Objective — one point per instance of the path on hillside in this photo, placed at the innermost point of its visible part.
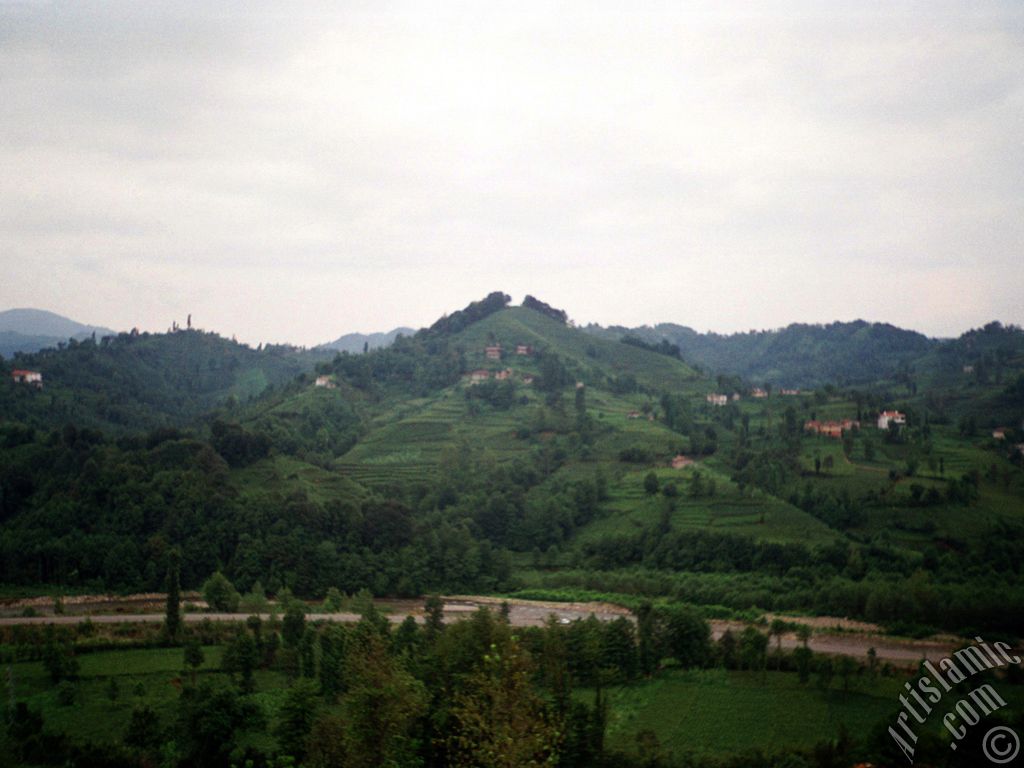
(853, 639)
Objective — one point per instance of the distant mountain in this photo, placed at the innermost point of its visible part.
(29, 330)
(356, 342)
(798, 355)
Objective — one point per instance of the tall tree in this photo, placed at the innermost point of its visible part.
(172, 620)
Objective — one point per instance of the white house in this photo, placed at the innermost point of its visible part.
(716, 399)
(885, 418)
(27, 377)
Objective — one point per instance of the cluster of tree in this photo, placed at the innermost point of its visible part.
(546, 309)
(474, 312)
(663, 347)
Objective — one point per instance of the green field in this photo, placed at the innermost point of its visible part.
(716, 713)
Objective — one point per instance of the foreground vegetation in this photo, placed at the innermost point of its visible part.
(656, 692)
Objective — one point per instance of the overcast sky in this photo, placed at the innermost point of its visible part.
(291, 175)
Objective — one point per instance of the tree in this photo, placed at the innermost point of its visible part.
(172, 620)
(334, 601)
(499, 722)
(434, 624)
(220, 594)
(241, 658)
(777, 629)
(208, 718)
(194, 657)
(687, 637)
(294, 624)
(650, 483)
(143, 732)
(297, 715)
(753, 649)
(380, 708)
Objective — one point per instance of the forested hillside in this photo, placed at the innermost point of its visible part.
(799, 355)
(134, 382)
(503, 449)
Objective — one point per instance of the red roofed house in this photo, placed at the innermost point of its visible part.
(28, 377)
(524, 349)
(493, 352)
(885, 418)
(502, 375)
(759, 393)
(480, 375)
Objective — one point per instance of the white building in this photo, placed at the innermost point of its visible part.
(885, 418)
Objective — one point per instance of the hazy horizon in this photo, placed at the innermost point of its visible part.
(291, 176)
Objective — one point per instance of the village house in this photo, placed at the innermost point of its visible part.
(790, 392)
(716, 399)
(479, 375)
(758, 393)
(325, 381)
(527, 378)
(735, 396)
(968, 369)
(493, 352)
(680, 461)
(633, 415)
(833, 429)
(502, 375)
(524, 349)
(999, 433)
(885, 418)
(27, 377)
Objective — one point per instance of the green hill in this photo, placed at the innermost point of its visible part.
(591, 465)
(138, 382)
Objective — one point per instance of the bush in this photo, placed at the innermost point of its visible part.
(66, 693)
(220, 594)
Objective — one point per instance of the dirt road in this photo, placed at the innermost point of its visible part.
(854, 638)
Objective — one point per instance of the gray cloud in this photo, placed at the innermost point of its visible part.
(290, 175)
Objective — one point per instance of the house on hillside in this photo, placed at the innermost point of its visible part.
(493, 352)
(479, 375)
(680, 461)
(502, 375)
(758, 393)
(790, 392)
(999, 433)
(527, 378)
(735, 396)
(834, 429)
(524, 349)
(327, 382)
(34, 378)
(968, 369)
(633, 415)
(717, 399)
(885, 418)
